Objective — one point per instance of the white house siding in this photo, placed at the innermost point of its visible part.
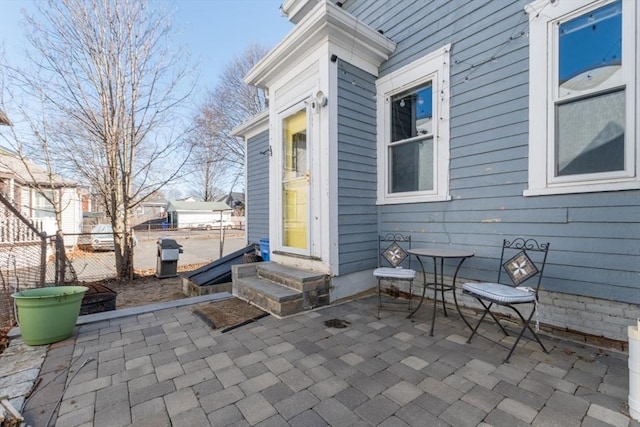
(71, 215)
(195, 219)
(71, 205)
(357, 217)
(257, 193)
(186, 214)
(594, 237)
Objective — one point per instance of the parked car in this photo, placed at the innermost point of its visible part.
(102, 238)
(215, 225)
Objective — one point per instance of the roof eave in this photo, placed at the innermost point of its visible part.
(254, 125)
(296, 10)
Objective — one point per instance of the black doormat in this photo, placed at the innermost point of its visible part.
(228, 314)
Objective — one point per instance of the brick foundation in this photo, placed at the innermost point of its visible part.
(588, 320)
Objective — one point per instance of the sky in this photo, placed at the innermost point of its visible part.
(213, 30)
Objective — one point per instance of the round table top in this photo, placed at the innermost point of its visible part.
(441, 253)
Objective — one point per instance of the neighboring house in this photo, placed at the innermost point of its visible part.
(24, 184)
(461, 123)
(233, 199)
(194, 214)
(151, 208)
(90, 200)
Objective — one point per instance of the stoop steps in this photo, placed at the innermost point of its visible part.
(278, 289)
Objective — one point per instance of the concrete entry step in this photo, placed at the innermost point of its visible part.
(271, 297)
(291, 277)
(279, 289)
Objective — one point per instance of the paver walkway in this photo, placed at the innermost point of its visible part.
(168, 368)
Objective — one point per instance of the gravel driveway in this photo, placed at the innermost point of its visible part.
(198, 246)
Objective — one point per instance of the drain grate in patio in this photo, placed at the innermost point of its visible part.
(228, 314)
(337, 323)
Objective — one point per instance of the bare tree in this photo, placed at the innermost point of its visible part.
(216, 151)
(112, 88)
(206, 170)
(55, 192)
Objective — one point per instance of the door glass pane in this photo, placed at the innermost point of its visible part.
(412, 166)
(295, 203)
(590, 135)
(590, 49)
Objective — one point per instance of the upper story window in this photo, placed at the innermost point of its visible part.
(583, 99)
(413, 146)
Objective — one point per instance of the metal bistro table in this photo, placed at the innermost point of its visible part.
(438, 277)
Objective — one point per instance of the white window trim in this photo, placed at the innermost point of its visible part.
(543, 15)
(433, 67)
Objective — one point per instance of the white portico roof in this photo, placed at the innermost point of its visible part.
(349, 39)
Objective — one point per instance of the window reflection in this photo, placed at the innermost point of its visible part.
(590, 129)
(411, 152)
(412, 113)
(590, 48)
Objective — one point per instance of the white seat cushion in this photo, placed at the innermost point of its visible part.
(499, 293)
(395, 273)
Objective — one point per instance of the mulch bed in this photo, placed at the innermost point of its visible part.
(228, 314)
(4, 340)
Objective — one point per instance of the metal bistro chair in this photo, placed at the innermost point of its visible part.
(392, 252)
(516, 263)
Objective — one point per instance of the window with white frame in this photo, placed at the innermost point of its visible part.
(42, 206)
(413, 131)
(583, 96)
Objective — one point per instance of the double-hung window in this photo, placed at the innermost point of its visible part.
(583, 96)
(413, 131)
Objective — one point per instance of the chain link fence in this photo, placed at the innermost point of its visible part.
(31, 259)
(91, 259)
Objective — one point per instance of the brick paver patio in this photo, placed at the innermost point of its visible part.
(167, 367)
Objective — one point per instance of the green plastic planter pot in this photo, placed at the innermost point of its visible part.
(48, 315)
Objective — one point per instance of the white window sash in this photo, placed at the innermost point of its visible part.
(433, 67)
(543, 50)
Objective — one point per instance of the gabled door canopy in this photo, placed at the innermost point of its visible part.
(349, 39)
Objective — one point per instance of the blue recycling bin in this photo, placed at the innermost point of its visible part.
(264, 249)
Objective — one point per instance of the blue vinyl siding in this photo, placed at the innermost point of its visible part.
(595, 237)
(257, 207)
(357, 218)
